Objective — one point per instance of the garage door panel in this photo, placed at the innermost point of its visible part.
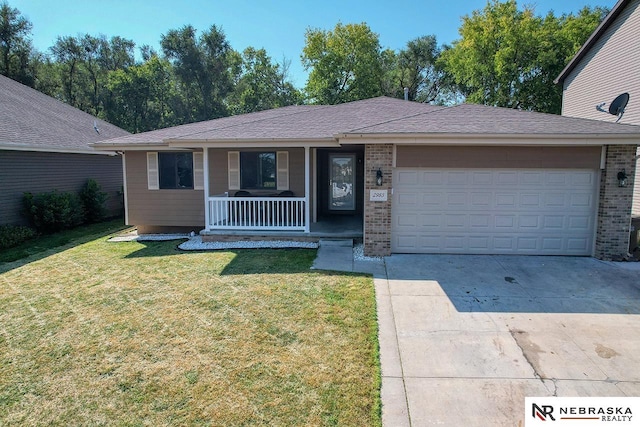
(494, 211)
(407, 178)
(426, 178)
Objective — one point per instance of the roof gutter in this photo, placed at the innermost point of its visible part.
(253, 142)
(45, 149)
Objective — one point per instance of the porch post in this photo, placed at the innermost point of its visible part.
(307, 188)
(205, 172)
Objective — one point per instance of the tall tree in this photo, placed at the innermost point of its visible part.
(203, 67)
(68, 53)
(416, 68)
(15, 46)
(507, 56)
(261, 84)
(346, 64)
(140, 96)
(84, 63)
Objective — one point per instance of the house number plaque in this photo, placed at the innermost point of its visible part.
(378, 195)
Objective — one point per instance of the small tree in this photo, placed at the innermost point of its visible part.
(93, 199)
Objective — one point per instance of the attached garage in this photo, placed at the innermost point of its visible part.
(467, 200)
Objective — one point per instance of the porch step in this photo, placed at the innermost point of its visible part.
(336, 255)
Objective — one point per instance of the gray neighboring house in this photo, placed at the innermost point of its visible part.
(44, 146)
(607, 65)
(417, 178)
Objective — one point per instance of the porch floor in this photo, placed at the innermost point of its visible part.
(333, 227)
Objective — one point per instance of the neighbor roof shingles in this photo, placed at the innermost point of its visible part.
(31, 119)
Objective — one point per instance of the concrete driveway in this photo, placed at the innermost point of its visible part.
(464, 339)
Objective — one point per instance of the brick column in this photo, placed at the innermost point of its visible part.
(615, 202)
(377, 215)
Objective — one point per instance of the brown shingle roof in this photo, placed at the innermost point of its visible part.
(376, 116)
(471, 119)
(32, 120)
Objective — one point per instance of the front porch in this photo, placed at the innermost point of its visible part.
(304, 193)
(334, 227)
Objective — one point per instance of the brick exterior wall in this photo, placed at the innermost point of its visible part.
(377, 215)
(614, 207)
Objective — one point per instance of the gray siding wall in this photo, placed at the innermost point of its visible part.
(611, 67)
(37, 172)
(159, 208)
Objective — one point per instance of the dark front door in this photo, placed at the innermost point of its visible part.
(340, 181)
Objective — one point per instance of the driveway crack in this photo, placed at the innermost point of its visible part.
(530, 352)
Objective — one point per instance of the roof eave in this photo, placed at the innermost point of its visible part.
(51, 149)
(253, 142)
(606, 22)
(119, 146)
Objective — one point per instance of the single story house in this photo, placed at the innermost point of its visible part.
(466, 179)
(606, 66)
(44, 146)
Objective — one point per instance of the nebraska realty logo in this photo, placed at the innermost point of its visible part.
(582, 411)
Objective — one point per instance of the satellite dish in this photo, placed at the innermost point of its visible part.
(617, 106)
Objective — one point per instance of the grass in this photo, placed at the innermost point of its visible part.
(55, 240)
(139, 334)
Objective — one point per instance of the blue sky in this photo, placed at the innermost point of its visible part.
(276, 25)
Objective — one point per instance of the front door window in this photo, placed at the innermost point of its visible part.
(342, 182)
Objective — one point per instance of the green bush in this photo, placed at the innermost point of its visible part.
(54, 211)
(13, 235)
(93, 199)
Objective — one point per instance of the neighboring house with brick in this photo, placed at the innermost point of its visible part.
(416, 178)
(607, 65)
(44, 146)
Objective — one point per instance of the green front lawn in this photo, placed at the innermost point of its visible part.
(143, 334)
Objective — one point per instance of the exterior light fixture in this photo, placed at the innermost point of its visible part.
(379, 177)
(622, 178)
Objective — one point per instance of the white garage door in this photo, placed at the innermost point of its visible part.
(494, 211)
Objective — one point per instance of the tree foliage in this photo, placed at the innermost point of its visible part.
(203, 68)
(508, 57)
(345, 63)
(15, 46)
(261, 84)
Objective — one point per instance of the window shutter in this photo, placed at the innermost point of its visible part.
(234, 169)
(283, 170)
(198, 171)
(153, 178)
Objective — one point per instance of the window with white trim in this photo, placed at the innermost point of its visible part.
(258, 170)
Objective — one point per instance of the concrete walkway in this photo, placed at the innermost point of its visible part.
(464, 339)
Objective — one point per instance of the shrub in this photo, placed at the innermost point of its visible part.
(54, 211)
(13, 235)
(93, 199)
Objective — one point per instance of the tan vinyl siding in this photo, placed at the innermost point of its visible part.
(610, 67)
(219, 177)
(498, 157)
(38, 172)
(165, 208)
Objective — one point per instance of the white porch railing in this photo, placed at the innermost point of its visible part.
(256, 213)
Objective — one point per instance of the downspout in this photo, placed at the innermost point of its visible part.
(307, 189)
